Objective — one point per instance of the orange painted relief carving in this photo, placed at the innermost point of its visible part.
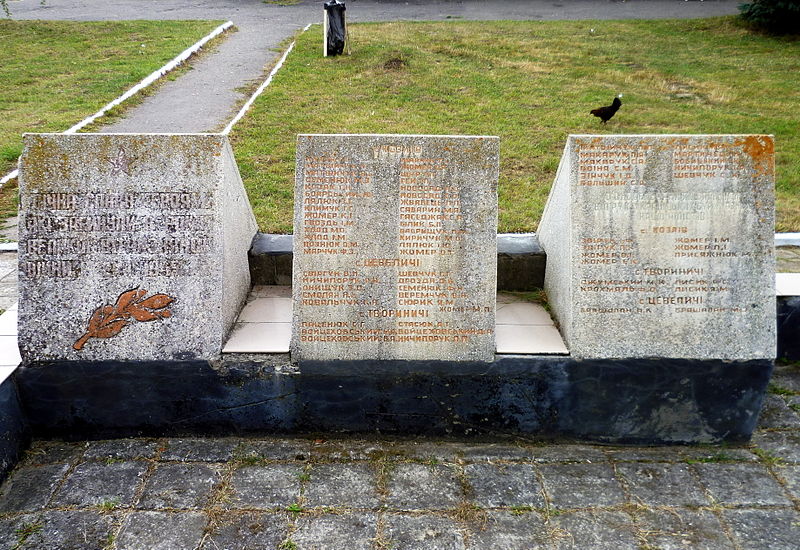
(108, 320)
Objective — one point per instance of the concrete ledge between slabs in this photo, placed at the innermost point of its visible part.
(520, 261)
(643, 401)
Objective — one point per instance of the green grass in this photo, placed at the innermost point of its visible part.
(532, 84)
(54, 74)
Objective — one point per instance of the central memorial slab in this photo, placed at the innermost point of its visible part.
(395, 253)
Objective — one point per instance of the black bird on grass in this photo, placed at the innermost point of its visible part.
(605, 113)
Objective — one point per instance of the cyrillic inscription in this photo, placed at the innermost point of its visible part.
(381, 234)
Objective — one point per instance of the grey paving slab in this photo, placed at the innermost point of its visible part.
(581, 485)
(342, 485)
(741, 484)
(510, 531)
(791, 479)
(787, 376)
(423, 487)
(52, 452)
(249, 531)
(29, 489)
(595, 530)
(776, 414)
(504, 485)
(67, 530)
(764, 529)
(352, 531)
(662, 485)
(200, 449)
(494, 452)
(333, 449)
(683, 529)
(14, 529)
(179, 486)
(784, 445)
(97, 483)
(644, 454)
(278, 449)
(122, 449)
(265, 487)
(718, 454)
(426, 451)
(568, 453)
(161, 531)
(423, 533)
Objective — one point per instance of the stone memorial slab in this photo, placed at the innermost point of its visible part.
(132, 247)
(662, 246)
(395, 248)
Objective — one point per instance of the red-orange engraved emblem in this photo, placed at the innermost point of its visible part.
(108, 321)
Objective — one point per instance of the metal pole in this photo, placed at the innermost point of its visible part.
(324, 33)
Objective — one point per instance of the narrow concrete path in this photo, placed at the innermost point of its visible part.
(206, 98)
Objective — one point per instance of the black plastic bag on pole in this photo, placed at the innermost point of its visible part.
(336, 28)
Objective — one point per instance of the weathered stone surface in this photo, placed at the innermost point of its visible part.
(662, 484)
(681, 529)
(768, 529)
(581, 485)
(246, 532)
(741, 484)
(200, 449)
(179, 486)
(56, 529)
(131, 246)
(421, 486)
(354, 531)
(423, 533)
(161, 531)
(598, 531)
(29, 489)
(395, 249)
(662, 246)
(265, 487)
(96, 484)
(495, 486)
(342, 485)
(121, 449)
(520, 531)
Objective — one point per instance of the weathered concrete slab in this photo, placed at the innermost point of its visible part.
(395, 247)
(662, 246)
(131, 246)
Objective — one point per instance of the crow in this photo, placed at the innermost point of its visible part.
(605, 113)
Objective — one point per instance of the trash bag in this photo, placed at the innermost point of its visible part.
(337, 30)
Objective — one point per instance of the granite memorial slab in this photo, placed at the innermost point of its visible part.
(132, 246)
(662, 246)
(395, 248)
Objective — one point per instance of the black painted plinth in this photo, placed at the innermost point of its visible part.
(13, 430)
(789, 328)
(628, 401)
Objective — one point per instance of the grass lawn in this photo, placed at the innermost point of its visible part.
(54, 74)
(532, 84)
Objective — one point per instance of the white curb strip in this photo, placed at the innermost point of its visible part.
(155, 75)
(261, 88)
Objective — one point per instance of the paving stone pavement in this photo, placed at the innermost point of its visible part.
(318, 492)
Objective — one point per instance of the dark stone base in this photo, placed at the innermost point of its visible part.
(650, 401)
(789, 328)
(13, 431)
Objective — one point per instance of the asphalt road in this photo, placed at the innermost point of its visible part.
(206, 98)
